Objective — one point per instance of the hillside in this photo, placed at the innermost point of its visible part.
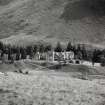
(52, 20)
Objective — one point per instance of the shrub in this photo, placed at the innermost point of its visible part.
(44, 64)
(20, 71)
(77, 62)
(103, 63)
(56, 67)
(71, 61)
(26, 72)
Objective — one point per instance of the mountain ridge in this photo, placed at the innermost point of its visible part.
(53, 20)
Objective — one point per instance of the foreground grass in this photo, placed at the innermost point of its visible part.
(49, 88)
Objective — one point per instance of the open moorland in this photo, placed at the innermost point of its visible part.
(44, 86)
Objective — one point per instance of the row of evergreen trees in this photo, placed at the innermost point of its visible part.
(80, 51)
(22, 52)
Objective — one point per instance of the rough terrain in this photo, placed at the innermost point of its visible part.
(51, 87)
(27, 21)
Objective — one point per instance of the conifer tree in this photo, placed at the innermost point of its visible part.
(94, 56)
(31, 52)
(28, 48)
(84, 52)
(1, 45)
(48, 48)
(35, 49)
(58, 47)
(23, 53)
(41, 48)
(69, 47)
(78, 47)
(18, 54)
(9, 54)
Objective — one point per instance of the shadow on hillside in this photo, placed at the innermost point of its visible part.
(5, 2)
(83, 8)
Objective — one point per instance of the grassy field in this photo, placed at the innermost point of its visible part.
(43, 86)
(50, 88)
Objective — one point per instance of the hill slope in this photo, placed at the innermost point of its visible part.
(53, 20)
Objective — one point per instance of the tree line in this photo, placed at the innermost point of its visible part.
(80, 51)
(22, 52)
